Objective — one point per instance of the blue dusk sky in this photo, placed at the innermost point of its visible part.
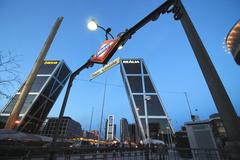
(25, 25)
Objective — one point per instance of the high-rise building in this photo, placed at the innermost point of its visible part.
(48, 84)
(134, 134)
(111, 128)
(68, 128)
(124, 134)
(147, 108)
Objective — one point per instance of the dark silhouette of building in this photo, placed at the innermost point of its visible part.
(124, 133)
(182, 143)
(46, 87)
(68, 128)
(147, 108)
(218, 130)
(134, 134)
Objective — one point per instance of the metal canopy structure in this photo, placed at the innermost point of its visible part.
(233, 42)
(218, 92)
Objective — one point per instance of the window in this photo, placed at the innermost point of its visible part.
(63, 73)
(143, 121)
(139, 104)
(132, 68)
(158, 124)
(38, 83)
(154, 107)
(135, 83)
(148, 85)
(28, 102)
(144, 69)
(11, 104)
(47, 68)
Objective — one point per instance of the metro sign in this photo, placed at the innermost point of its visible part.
(104, 53)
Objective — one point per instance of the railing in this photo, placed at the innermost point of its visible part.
(92, 153)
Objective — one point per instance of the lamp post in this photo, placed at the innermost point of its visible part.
(89, 63)
(93, 25)
(103, 104)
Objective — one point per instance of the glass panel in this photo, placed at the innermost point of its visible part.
(139, 104)
(48, 87)
(143, 121)
(38, 83)
(135, 83)
(11, 104)
(63, 73)
(47, 68)
(148, 85)
(28, 102)
(56, 93)
(154, 129)
(37, 104)
(132, 68)
(154, 107)
(144, 69)
(163, 124)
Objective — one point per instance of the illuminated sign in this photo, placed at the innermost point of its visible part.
(51, 62)
(105, 51)
(131, 61)
(105, 68)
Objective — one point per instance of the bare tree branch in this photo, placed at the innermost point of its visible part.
(9, 72)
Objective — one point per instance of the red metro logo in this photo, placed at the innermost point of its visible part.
(104, 52)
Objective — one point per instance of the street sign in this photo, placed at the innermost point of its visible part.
(105, 51)
(105, 68)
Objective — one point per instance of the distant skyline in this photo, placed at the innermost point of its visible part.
(162, 44)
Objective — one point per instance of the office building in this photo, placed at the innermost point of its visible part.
(48, 84)
(134, 134)
(124, 133)
(68, 128)
(111, 128)
(147, 108)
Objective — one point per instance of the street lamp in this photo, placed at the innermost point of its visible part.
(93, 26)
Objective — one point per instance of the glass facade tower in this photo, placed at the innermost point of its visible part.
(145, 102)
(49, 82)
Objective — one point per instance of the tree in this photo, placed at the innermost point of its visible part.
(9, 72)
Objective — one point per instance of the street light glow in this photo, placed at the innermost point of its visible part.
(92, 25)
(120, 47)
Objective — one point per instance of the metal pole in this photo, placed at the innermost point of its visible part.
(90, 125)
(70, 82)
(185, 93)
(28, 84)
(73, 75)
(218, 92)
(103, 104)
